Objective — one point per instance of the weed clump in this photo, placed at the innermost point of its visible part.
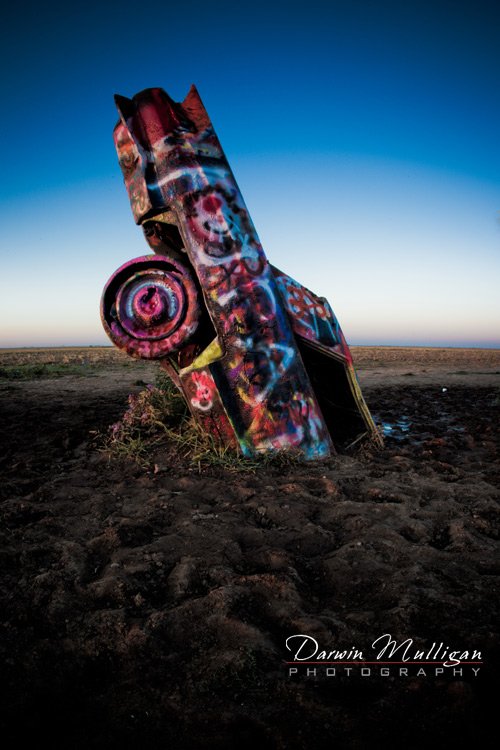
(158, 417)
(150, 415)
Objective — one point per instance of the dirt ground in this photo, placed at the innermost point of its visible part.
(149, 608)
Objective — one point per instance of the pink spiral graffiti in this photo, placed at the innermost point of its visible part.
(149, 307)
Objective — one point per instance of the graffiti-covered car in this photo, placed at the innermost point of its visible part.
(261, 360)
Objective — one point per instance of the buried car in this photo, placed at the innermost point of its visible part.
(261, 361)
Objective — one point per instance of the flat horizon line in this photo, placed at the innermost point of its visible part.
(495, 347)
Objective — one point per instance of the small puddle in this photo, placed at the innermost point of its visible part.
(405, 429)
(398, 430)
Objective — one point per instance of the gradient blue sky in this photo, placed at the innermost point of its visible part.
(364, 137)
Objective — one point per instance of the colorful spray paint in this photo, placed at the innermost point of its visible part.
(261, 361)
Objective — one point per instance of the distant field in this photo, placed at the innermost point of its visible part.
(363, 355)
(420, 355)
(95, 355)
(374, 364)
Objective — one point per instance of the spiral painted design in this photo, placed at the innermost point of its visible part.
(149, 307)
